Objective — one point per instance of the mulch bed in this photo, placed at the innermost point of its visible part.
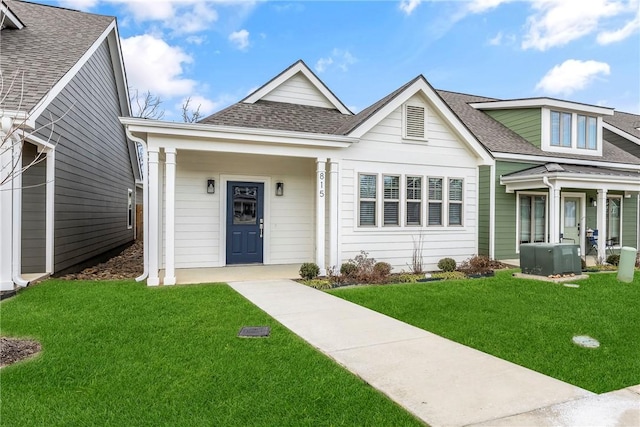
(127, 265)
(13, 350)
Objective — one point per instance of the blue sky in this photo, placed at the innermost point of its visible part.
(217, 52)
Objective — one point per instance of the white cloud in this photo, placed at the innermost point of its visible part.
(558, 22)
(207, 106)
(339, 58)
(240, 39)
(572, 75)
(631, 27)
(78, 4)
(408, 6)
(153, 65)
(497, 40)
(480, 6)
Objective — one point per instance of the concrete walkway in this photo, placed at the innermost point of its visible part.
(438, 380)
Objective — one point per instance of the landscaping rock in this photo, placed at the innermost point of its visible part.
(127, 265)
(13, 350)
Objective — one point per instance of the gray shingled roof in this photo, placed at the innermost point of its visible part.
(626, 122)
(497, 138)
(552, 168)
(51, 42)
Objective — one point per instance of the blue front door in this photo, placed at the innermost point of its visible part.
(245, 222)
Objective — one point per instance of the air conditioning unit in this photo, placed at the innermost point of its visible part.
(547, 259)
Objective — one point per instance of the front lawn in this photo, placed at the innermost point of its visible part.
(122, 354)
(528, 322)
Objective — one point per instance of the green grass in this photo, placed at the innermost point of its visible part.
(119, 353)
(528, 322)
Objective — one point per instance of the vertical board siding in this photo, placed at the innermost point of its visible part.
(290, 218)
(505, 212)
(93, 166)
(298, 90)
(525, 122)
(484, 204)
(33, 212)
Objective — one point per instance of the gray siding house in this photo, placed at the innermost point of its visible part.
(69, 172)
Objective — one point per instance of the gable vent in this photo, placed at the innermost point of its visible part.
(415, 121)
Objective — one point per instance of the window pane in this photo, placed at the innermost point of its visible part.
(592, 133)
(244, 205)
(391, 216)
(367, 213)
(413, 213)
(414, 188)
(525, 219)
(435, 213)
(613, 220)
(455, 214)
(566, 130)
(570, 211)
(582, 131)
(435, 188)
(539, 219)
(367, 186)
(555, 128)
(455, 190)
(391, 187)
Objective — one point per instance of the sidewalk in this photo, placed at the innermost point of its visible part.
(441, 382)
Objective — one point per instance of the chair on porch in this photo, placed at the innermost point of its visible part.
(592, 242)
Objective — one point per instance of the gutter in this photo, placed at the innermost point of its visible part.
(145, 205)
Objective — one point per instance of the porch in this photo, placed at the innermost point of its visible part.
(235, 273)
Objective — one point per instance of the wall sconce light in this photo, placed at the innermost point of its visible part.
(593, 202)
(211, 186)
(279, 188)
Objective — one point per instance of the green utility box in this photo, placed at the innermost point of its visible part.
(548, 259)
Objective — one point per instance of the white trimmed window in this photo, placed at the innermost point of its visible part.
(587, 132)
(129, 208)
(367, 200)
(614, 220)
(434, 214)
(532, 218)
(456, 196)
(571, 132)
(560, 129)
(391, 204)
(414, 200)
(415, 119)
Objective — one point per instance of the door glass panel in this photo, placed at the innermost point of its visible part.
(570, 213)
(245, 201)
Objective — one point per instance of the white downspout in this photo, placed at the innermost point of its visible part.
(145, 205)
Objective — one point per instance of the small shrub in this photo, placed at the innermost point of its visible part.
(447, 264)
(348, 269)
(407, 278)
(382, 269)
(309, 270)
(478, 264)
(613, 259)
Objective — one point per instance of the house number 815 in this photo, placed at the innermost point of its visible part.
(321, 184)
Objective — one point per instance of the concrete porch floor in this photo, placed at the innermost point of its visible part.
(236, 273)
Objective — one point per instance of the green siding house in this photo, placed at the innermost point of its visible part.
(562, 172)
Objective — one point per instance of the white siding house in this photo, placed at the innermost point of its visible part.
(290, 175)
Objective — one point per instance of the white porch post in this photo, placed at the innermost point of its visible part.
(554, 214)
(49, 211)
(153, 279)
(6, 223)
(602, 222)
(334, 260)
(170, 202)
(321, 175)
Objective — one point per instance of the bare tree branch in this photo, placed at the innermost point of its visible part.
(190, 116)
(147, 106)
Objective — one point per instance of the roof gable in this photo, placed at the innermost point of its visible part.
(43, 56)
(9, 19)
(298, 85)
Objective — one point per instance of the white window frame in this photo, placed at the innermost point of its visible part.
(374, 200)
(396, 201)
(405, 121)
(620, 219)
(546, 215)
(573, 149)
(419, 201)
(442, 201)
(455, 202)
(130, 211)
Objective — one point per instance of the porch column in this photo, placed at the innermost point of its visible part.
(6, 213)
(170, 216)
(153, 279)
(321, 175)
(49, 211)
(554, 214)
(601, 221)
(334, 260)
